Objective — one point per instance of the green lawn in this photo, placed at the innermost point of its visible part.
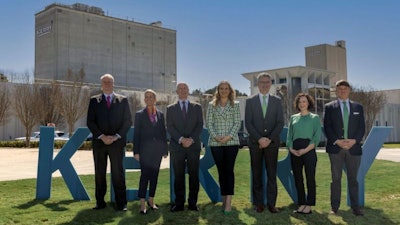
(382, 199)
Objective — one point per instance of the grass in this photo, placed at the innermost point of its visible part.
(382, 201)
(391, 145)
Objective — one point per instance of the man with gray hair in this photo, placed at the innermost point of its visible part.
(109, 119)
(264, 122)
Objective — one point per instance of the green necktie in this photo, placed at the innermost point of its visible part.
(264, 105)
(345, 119)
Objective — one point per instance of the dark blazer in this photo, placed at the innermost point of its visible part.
(270, 126)
(179, 127)
(116, 120)
(148, 137)
(333, 126)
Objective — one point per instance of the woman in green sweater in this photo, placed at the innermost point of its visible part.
(303, 137)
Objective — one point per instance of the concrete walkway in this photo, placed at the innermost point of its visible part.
(17, 163)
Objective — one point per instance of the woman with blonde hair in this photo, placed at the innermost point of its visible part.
(223, 123)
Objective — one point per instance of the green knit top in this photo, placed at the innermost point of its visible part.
(304, 126)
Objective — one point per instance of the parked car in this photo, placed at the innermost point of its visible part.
(58, 135)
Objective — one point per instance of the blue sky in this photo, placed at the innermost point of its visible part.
(221, 39)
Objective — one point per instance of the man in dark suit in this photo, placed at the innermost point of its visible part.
(185, 124)
(109, 119)
(344, 126)
(264, 123)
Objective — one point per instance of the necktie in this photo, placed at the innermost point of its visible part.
(108, 101)
(264, 105)
(345, 119)
(184, 109)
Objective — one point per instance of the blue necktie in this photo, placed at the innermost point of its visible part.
(184, 109)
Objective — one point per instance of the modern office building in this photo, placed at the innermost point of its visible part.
(325, 64)
(330, 58)
(288, 82)
(79, 36)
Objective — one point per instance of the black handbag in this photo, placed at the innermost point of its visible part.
(300, 143)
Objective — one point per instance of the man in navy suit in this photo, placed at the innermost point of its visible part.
(344, 126)
(109, 119)
(264, 122)
(185, 124)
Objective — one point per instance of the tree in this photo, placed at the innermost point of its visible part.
(4, 102)
(47, 97)
(74, 99)
(372, 102)
(25, 107)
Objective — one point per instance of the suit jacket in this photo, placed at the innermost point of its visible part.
(109, 121)
(334, 130)
(149, 138)
(257, 126)
(179, 127)
(221, 123)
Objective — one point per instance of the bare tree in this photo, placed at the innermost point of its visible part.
(4, 102)
(24, 107)
(134, 104)
(74, 99)
(47, 96)
(372, 102)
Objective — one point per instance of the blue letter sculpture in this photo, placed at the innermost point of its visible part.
(47, 165)
(371, 147)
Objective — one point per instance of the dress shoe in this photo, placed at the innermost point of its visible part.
(152, 207)
(176, 208)
(259, 208)
(273, 209)
(226, 212)
(122, 208)
(97, 207)
(357, 212)
(193, 208)
(333, 211)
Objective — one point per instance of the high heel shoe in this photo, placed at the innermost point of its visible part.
(143, 212)
(152, 207)
(306, 212)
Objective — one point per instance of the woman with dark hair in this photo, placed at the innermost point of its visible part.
(223, 123)
(303, 137)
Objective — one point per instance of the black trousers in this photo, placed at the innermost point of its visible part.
(307, 161)
(116, 155)
(149, 168)
(180, 159)
(224, 158)
(268, 155)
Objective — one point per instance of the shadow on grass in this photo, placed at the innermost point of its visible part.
(54, 206)
(376, 215)
(90, 216)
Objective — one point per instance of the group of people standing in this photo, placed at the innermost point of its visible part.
(109, 119)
